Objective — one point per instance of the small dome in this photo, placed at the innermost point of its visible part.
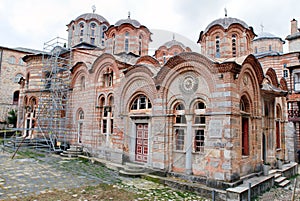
(134, 23)
(174, 42)
(226, 22)
(266, 35)
(89, 16)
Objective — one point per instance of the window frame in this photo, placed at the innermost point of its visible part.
(137, 103)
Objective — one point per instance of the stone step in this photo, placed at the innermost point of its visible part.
(130, 170)
(284, 183)
(134, 166)
(69, 155)
(279, 180)
(272, 171)
(277, 175)
(75, 148)
(130, 174)
(73, 152)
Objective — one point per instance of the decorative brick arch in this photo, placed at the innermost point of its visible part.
(183, 63)
(138, 82)
(102, 64)
(137, 69)
(77, 71)
(249, 73)
(256, 67)
(148, 60)
(272, 76)
(283, 84)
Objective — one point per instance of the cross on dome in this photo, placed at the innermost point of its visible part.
(94, 8)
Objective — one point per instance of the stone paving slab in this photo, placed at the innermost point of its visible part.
(21, 177)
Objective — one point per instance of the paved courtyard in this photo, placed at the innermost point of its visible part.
(23, 176)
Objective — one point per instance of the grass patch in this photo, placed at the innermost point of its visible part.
(26, 153)
(294, 177)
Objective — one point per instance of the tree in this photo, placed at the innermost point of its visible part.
(12, 117)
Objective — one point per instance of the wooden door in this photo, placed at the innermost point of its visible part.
(141, 151)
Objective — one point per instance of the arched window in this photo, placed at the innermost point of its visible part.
(81, 26)
(32, 104)
(30, 120)
(199, 126)
(141, 102)
(81, 30)
(16, 97)
(92, 33)
(233, 44)
(93, 27)
(106, 116)
(101, 103)
(218, 54)
(179, 126)
(111, 113)
(126, 42)
(80, 115)
(245, 109)
(103, 35)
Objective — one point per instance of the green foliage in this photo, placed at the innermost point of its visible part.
(12, 117)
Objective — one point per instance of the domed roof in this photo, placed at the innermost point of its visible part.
(174, 42)
(226, 22)
(89, 16)
(134, 23)
(266, 35)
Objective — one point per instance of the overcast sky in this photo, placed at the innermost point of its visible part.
(30, 23)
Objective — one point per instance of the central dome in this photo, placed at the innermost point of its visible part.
(134, 23)
(226, 22)
(89, 16)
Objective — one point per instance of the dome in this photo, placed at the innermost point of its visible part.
(226, 22)
(89, 16)
(174, 42)
(134, 23)
(266, 35)
(160, 36)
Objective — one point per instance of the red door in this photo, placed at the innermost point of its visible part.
(141, 152)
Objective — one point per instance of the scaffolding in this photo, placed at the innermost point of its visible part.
(53, 113)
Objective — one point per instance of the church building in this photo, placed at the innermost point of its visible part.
(218, 114)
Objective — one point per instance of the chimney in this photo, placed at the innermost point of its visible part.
(294, 26)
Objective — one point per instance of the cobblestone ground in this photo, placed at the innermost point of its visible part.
(289, 193)
(25, 176)
(21, 177)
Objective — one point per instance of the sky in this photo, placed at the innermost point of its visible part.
(31, 23)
